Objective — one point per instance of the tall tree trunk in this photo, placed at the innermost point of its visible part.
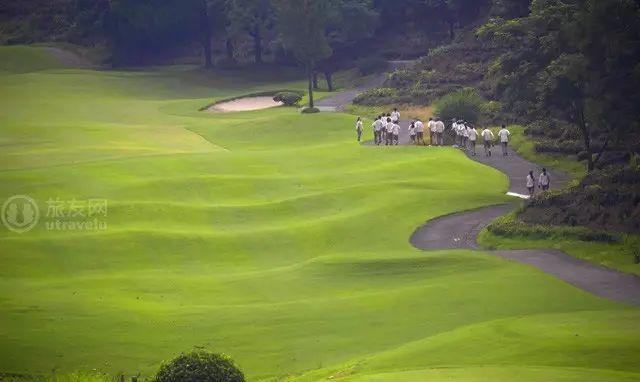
(257, 45)
(310, 74)
(586, 134)
(452, 32)
(329, 77)
(229, 48)
(205, 24)
(315, 80)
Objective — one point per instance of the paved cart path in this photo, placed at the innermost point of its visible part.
(460, 230)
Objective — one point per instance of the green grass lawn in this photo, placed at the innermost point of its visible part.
(270, 236)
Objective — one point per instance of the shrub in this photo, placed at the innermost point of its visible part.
(372, 65)
(288, 98)
(200, 366)
(310, 110)
(464, 104)
(401, 79)
(377, 96)
(510, 226)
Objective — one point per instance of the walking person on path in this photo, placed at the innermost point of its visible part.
(377, 130)
(432, 131)
(389, 132)
(464, 128)
(383, 132)
(487, 138)
(531, 184)
(504, 135)
(359, 128)
(396, 134)
(419, 132)
(439, 132)
(544, 181)
(472, 133)
(412, 132)
(395, 115)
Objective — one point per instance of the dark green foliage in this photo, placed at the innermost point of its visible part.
(199, 366)
(573, 61)
(510, 226)
(377, 96)
(604, 200)
(372, 65)
(288, 98)
(464, 104)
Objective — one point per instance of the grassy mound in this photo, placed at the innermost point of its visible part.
(270, 236)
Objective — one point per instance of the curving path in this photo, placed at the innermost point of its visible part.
(460, 230)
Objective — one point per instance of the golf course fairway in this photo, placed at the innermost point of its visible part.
(270, 236)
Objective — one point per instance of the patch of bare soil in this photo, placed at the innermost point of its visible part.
(244, 104)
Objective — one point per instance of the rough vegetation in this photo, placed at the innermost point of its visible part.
(199, 366)
(288, 98)
(606, 199)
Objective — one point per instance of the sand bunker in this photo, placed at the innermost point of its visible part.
(245, 104)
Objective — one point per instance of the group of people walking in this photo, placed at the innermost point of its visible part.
(544, 182)
(466, 137)
(386, 130)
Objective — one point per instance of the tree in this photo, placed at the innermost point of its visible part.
(254, 17)
(575, 60)
(350, 22)
(303, 24)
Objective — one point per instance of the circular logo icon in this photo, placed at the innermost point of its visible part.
(20, 213)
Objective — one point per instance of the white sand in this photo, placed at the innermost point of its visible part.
(245, 104)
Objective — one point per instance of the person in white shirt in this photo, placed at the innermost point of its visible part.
(487, 137)
(412, 132)
(377, 130)
(432, 131)
(396, 134)
(419, 132)
(439, 132)
(504, 135)
(472, 133)
(465, 135)
(531, 184)
(460, 132)
(455, 130)
(389, 132)
(383, 131)
(395, 116)
(544, 181)
(359, 128)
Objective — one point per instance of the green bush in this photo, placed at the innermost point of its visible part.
(377, 96)
(288, 98)
(310, 110)
(401, 79)
(509, 226)
(199, 366)
(464, 104)
(372, 65)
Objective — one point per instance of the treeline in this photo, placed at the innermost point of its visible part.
(571, 69)
(139, 31)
